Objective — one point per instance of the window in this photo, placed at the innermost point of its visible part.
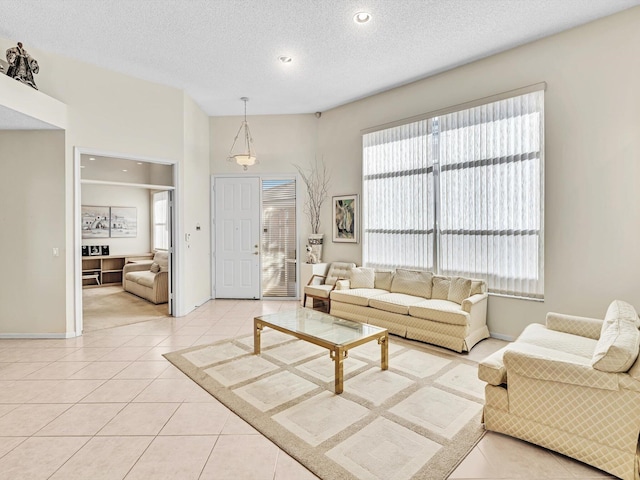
(460, 194)
(161, 220)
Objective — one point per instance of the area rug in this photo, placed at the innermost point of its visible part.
(416, 420)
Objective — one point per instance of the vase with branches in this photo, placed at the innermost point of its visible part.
(316, 180)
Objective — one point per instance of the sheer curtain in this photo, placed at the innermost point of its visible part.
(398, 209)
(461, 194)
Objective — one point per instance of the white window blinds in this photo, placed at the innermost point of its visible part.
(478, 209)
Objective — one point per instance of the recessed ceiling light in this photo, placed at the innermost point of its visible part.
(139, 163)
(81, 166)
(362, 17)
(91, 158)
(285, 59)
(124, 169)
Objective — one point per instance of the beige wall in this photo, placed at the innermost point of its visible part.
(195, 207)
(32, 293)
(108, 112)
(117, 196)
(592, 158)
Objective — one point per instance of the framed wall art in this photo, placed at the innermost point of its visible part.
(95, 221)
(124, 222)
(345, 218)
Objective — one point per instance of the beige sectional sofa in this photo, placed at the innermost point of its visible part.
(572, 386)
(446, 311)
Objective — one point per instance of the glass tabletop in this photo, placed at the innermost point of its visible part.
(320, 325)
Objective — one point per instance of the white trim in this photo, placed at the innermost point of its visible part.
(38, 335)
(77, 233)
(125, 184)
(500, 336)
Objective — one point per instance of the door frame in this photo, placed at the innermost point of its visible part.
(260, 176)
(174, 254)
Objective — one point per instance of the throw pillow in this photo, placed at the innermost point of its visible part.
(155, 268)
(476, 287)
(383, 279)
(440, 289)
(617, 348)
(362, 277)
(412, 282)
(459, 289)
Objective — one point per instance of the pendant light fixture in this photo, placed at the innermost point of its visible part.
(246, 157)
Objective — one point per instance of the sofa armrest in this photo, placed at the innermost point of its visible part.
(559, 367)
(136, 267)
(581, 326)
(473, 300)
(343, 284)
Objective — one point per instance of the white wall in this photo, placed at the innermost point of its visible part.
(32, 295)
(117, 196)
(592, 222)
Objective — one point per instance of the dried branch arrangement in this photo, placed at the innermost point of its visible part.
(317, 183)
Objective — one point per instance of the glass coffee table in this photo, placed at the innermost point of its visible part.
(336, 334)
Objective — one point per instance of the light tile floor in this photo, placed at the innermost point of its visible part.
(107, 405)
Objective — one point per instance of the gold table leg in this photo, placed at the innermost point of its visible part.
(338, 355)
(384, 351)
(257, 329)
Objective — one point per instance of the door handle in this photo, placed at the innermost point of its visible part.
(256, 253)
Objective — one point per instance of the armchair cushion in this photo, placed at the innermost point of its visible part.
(338, 271)
(155, 268)
(617, 348)
(321, 291)
(362, 277)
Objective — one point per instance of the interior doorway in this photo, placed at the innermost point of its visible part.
(124, 218)
(255, 237)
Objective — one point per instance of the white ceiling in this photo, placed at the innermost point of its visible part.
(221, 50)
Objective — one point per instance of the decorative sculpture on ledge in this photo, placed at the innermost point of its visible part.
(22, 66)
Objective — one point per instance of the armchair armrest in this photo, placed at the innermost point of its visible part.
(314, 280)
(136, 267)
(581, 326)
(557, 366)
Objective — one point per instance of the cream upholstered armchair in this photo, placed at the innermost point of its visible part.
(148, 279)
(573, 386)
(320, 286)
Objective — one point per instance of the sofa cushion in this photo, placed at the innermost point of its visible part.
(438, 310)
(412, 282)
(440, 288)
(459, 289)
(362, 277)
(617, 348)
(383, 279)
(321, 291)
(155, 268)
(144, 278)
(161, 257)
(357, 296)
(394, 302)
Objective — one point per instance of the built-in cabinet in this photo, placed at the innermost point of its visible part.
(107, 270)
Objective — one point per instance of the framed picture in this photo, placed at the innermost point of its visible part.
(345, 219)
(124, 222)
(95, 221)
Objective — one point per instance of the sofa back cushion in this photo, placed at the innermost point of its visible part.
(161, 257)
(383, 279)
(617, 348)
(477, 286)
(338, 271)
(362, 277)
(459, 289)
(412, 282)
(440, 290)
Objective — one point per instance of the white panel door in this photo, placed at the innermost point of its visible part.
(237, 237)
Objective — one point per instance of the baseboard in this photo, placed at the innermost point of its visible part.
(38, 335)
(500, 336)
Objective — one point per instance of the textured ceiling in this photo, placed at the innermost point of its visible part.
(221, 50)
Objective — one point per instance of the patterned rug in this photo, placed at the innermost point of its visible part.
(417, 420)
